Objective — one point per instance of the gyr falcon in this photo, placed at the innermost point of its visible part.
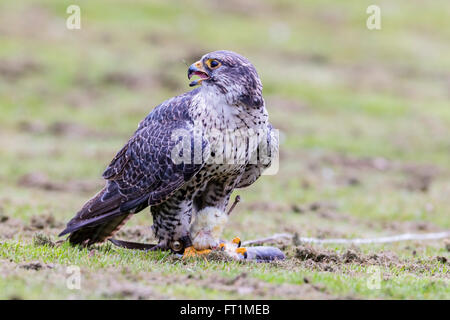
(186, 158)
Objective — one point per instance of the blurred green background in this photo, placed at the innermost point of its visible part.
(364, 114)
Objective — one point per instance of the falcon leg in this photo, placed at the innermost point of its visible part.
(171, 221)
(207, 228)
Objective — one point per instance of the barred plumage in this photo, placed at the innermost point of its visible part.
(144, 173)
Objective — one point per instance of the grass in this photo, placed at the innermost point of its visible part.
(364, 120)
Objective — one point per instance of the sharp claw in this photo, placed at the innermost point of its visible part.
(237, 241)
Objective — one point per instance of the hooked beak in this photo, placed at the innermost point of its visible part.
(196, 69)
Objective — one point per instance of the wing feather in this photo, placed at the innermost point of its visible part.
(142, 173)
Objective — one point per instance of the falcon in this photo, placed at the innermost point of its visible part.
(185, 159)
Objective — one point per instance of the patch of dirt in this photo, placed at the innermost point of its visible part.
(327, 210)
(418, 177)
(310, 253)
(321, 205)
(3, 216)
(12, 70)
(219, 256)
(243, 284)
(44, 221)
(34, 127)
(247, 8)
(298, 208)
(15, 228)
(135, 233)
(320, 255)
(129, 80)
(129, 290)
(418, 181)
(317, 258)
(41, 239)
(351, 256)
(442, 259)
(306, 59)
(167, 80)
(409, 226)
(290, 105)
(365, 163)
(266, 206)
(40, 180)
(81, 97)
(60, 129)
(70, 129)
(11, 227)
(35, 265)
(158, 39)
(21, 23)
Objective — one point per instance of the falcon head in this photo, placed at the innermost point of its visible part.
(231, 74)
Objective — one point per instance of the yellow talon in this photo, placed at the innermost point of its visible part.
(192, 252)
(242, 251)
(237, 241)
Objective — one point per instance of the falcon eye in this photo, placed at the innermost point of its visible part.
(213, 63)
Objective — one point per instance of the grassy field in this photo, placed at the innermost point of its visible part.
(365, 123)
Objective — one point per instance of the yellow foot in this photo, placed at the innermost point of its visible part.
(237, 241)
(192, 252)
(242, 251)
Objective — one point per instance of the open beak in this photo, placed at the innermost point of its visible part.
(196, 69)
